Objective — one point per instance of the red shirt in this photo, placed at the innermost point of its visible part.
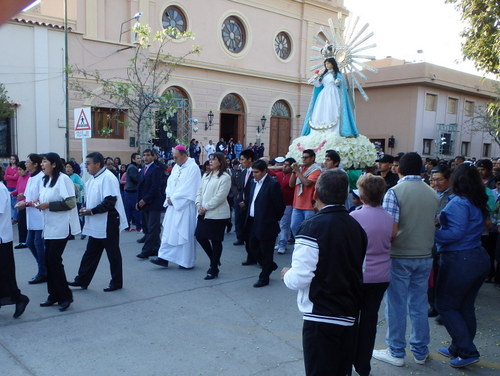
(284, 180)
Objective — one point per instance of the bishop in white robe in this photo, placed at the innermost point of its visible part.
(178, 243)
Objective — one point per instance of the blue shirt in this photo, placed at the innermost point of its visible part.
(462, 224)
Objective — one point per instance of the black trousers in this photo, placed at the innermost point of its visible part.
(9, 292)
(239, 218)
(328, 348)
(151, 225)
(489, 242)
(93, 254)
(367, 325)
(260, 250)
(213, 249)
(57, 284)
(22, 228)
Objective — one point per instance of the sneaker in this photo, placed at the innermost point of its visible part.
(445, 352)
(281, 251)
(276, 247)
(386, 356)
(460, 362)
(420, 361)
(127, 229)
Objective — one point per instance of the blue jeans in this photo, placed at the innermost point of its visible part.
(407, 292)
(37, 247)
(285, 221)
(133, 215)
(460, 277)
(298, 216)
(13, 201)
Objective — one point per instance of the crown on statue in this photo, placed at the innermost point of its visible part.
(328, 51)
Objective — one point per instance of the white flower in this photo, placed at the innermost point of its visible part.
(356, 152)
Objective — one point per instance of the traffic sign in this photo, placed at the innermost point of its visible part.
(83, 122)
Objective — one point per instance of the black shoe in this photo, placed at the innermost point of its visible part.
(142, 255)
(160, 262)
(210, 276)
(71, 237)
(432, 313)
(109, 289)
(38, 279)
(141, 240)
(77, 284)
(245, 263)
(239, 242)
(49, 302)
(63, 306)
(439, 321)
(184, 268)
(229, 227)
(260, 283)
(21, 306)
(83, 237)
(23, 245)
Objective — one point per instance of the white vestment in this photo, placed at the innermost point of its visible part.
(178, 243)
(102, 185)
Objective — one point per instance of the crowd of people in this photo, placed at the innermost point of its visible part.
(422, 233)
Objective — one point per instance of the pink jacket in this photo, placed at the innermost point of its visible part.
(11, 175)
(22, 181)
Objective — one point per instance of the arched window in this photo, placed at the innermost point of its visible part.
(281, 109)
(231, 102)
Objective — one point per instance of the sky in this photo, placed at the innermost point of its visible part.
(402, 27)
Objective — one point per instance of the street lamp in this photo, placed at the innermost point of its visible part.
(263, 122)
(210, 120)
(262, 125)
(136, 17)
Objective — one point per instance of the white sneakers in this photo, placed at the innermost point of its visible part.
(421, 361)
(386, 356)
(281, 251)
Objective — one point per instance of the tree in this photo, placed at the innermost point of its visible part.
(482, 33)
(487, 119)
(6, 109)
(138, 92)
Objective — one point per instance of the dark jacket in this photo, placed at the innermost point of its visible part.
(336, 288)
(132, 178)
(269, 208)
(149, 188)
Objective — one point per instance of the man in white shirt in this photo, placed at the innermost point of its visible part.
(209, 149)
(105, 219)
(265, 209)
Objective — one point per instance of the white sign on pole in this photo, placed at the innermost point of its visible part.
(83, 122)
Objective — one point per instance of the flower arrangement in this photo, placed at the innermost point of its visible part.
(355, 152)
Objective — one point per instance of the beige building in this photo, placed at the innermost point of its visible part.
(426, 108)
(254, 65)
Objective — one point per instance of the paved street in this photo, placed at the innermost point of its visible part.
(172, 322)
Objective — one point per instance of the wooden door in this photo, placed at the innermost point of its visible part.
(279, 136)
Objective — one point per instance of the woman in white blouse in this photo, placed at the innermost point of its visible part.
(34, 217)
(58, 203)
(213, 211)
